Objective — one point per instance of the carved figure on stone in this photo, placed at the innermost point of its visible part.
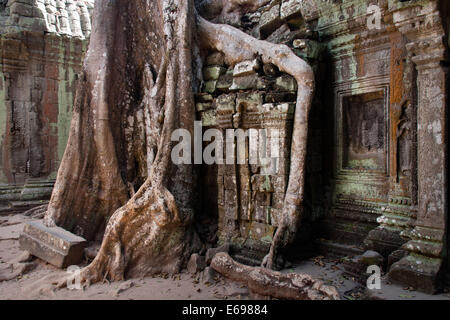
(404, 140)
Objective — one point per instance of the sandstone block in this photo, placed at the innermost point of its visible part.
(246, 68)
(203, 106)
(226, 102)
(270, 20)
(210, 86)
(213, 73)
(370, 258)
(290, 9)
(53, 245)
(209, 118)
(247, 82)
(251, 100)
(286, 83)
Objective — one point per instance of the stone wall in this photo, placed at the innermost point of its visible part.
(389, 91)
(247, 199)
(42, 44)
(250, 195)
(377, 155)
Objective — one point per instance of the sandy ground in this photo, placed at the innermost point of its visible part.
(37, 283)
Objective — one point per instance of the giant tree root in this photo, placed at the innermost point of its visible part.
(292, 286)
(145, 237)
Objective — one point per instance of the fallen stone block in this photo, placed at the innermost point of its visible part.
(53, 245)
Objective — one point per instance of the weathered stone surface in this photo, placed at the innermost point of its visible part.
(370, 258)
(290, 8)
(53, 245)
(281, 35)
(270, 20)
(251, 100)
(246, 68)
(247, 82)
(422, 274)
(286, 83)
(210, 86)
(213, 251)
(378, 126)
(204, 98)
(209, 118)
(213, 73)
(396, 256)
(203, 106)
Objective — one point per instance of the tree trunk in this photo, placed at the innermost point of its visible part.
(136, 89)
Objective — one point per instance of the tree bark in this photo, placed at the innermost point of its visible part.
(136, 89)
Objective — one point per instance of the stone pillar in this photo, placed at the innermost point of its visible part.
(423, 27)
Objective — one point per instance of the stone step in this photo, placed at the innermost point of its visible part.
(337, 250)
(53, 245)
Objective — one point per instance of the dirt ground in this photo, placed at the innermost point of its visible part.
(38, 276)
